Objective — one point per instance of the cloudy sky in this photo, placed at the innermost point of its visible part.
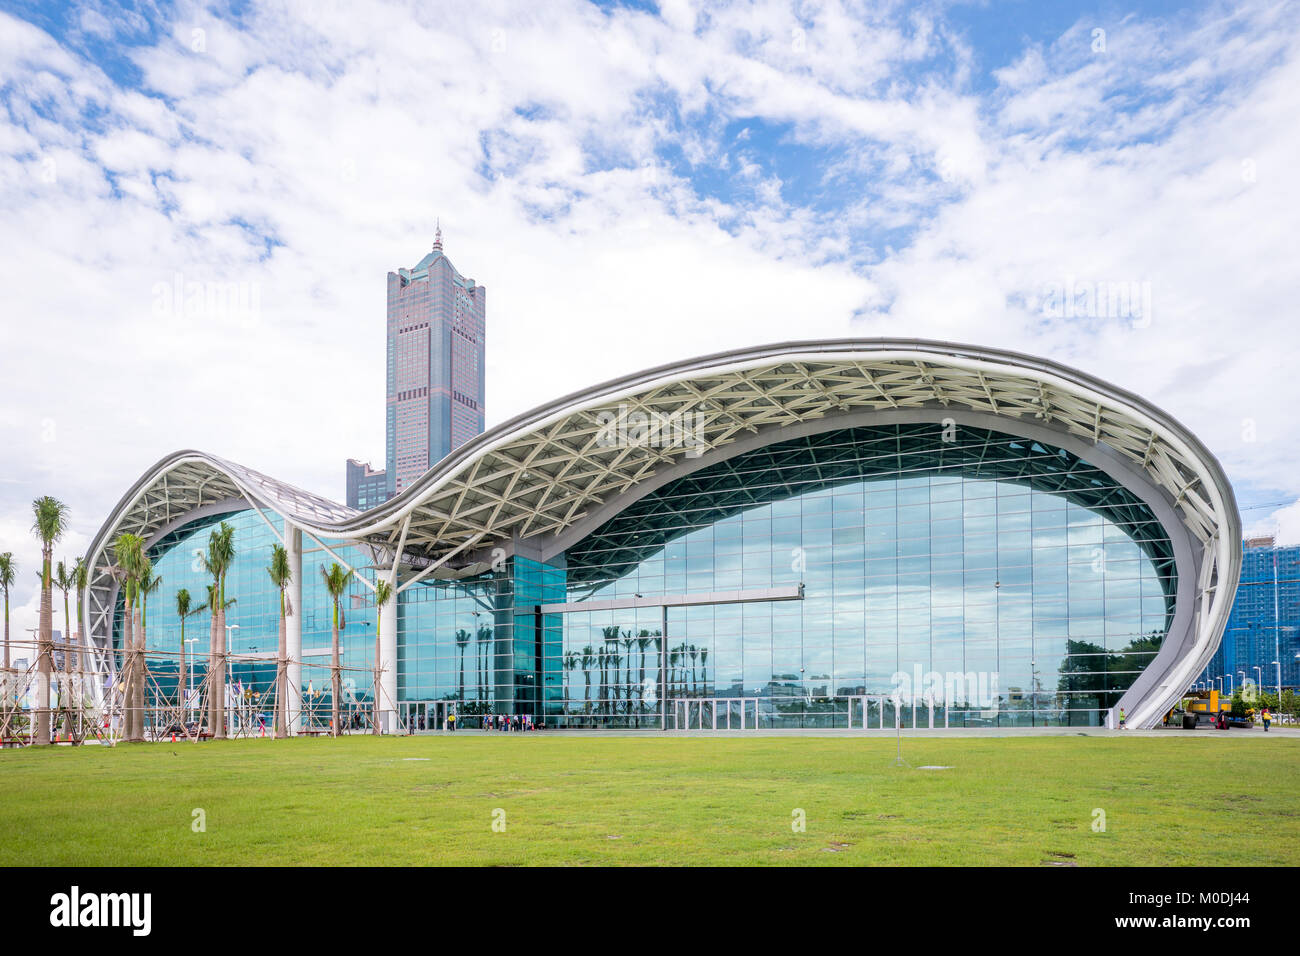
(633, 183)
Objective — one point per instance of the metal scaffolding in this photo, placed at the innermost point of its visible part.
(96, 704)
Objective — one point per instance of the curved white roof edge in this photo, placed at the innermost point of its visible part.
(524, 476)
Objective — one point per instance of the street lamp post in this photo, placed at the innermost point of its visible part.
(1278, 664)
(1230, 685)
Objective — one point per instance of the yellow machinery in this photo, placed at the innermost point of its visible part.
(1208, 705)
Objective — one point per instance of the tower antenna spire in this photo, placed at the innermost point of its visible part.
(437, 237)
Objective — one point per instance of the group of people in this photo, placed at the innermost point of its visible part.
(505, 723)
(508, 722)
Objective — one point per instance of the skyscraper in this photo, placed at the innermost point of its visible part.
(436, 326)
(365, 486)
(435, 377)
(1265, 623)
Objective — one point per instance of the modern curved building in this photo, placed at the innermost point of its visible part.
(829, 533)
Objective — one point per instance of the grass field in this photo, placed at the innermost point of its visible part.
(619, 800)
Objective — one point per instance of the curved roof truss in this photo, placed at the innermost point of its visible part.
(543, 472)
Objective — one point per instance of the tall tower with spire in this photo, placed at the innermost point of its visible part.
(436, 347)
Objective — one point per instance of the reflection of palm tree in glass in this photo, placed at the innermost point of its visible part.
(570, 663)
(672, 670)
(608, 678)
(588, 657)
(627, 643)
(483, 638)
(695, 687)
(462, 642)
(643, 642)
(615, 679)
(704, 669)
(600, 686)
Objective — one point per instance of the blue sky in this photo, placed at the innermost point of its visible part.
(633, 183)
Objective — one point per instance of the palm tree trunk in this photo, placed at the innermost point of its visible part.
(282, 678)
(141, 675)
(44, 660)
(181, 697)
(136, 683)
(126, 679)
(8, 678)
(336, 685)
(379, 623)
(219, 686)
(210, 679)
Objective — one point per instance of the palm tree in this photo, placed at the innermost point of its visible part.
(462, 642)
(63, 581)
(336, 579)
(50, 522)
(8, 572)
(216, 562)
(183, 610)
(209, 606)
(383, 594)
(131, 562)
(149, 584)
(282, 576)
(80, 577)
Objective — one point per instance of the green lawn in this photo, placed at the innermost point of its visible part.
(618, 800)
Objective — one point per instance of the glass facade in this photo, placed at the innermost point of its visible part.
(176, 558)
(950, 576)
(921, 550)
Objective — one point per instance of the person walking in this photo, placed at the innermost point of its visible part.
(451, 721)
(1121, 718)
(1265, 716)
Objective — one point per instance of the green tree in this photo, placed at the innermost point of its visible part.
(336, 579)
(8, 572)
(80, 578)
(49, 524)
(183, 610)
(130, 566)
(217, 562)
(281, 574)
(64, 582)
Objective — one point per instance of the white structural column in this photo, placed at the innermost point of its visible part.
(293, 626)
(388, 661)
